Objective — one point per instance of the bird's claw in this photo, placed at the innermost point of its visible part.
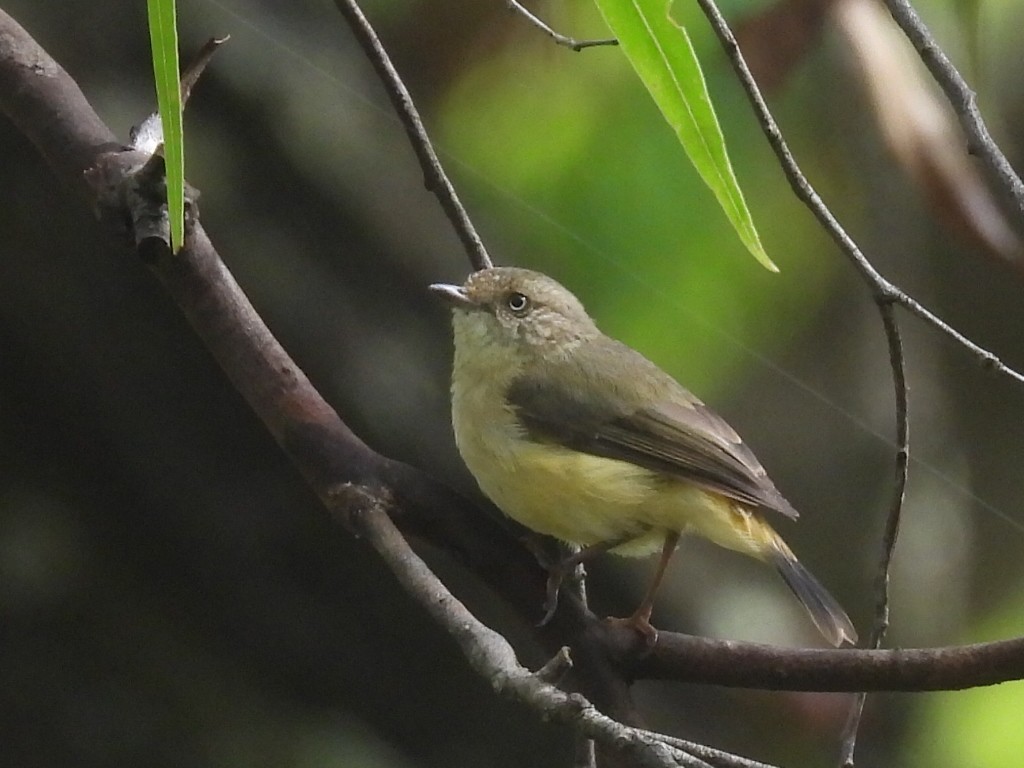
(555, 577)
(639, 624)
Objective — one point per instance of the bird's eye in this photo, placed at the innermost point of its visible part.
(517, 303)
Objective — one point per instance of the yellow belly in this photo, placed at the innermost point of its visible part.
(580, 498)
(572, 496)
(585, 499)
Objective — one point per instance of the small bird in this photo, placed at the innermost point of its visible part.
(577, 436)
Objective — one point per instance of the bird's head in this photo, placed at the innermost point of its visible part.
(515, 312)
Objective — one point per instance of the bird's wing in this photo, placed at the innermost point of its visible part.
(637, 413)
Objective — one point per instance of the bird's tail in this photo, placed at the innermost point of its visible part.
(826, 613)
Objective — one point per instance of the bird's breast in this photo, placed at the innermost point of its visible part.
(549, 488)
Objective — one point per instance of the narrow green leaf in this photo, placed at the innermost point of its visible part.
(661, 53)
(163, 36)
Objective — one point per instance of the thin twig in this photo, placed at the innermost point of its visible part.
(713, 757)
(964, 102)
(885, 295)
(558, 37)
(198, 65)
(848, 740)
(577, 582)
(882, 289)
(897, 361)
(556, 667)
(584, 755)
(434, 176)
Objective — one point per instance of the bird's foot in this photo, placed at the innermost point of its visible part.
(555, 577)
(539, 546)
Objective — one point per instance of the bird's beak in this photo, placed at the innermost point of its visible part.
(454, 295)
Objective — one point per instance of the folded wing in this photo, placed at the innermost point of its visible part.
(637, 413)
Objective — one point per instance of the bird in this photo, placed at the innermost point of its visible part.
(577, 436)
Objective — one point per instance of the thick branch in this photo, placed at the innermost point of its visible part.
(47, 106)
(750, 665)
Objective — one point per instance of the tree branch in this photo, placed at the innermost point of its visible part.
(434, 177)
(752, 665)
(558, 37)
(964, 102)
(714, 757)
(881, 289)
(46, 105)
(490, 654)
(892, 527)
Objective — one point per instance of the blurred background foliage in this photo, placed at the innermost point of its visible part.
(170, 594)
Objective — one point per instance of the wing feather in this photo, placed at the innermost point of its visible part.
(635, 412)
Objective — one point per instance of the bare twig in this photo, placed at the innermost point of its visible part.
(883, 290)
(556, 667)
(198, 65)
(148, 135)
(885, 295)
(568, 42)
(714, 757)
(848, 742)
(584, 755)
(434, 176)
(920, 131)
(964, 102)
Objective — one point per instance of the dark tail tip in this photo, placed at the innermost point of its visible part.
(826, 613)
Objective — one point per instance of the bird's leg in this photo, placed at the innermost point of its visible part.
(537, 544)
(641, 618)
(561, 569)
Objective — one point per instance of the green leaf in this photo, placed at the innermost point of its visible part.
(663, 56)
(163, 36)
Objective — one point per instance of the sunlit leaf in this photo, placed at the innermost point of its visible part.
(661, 53)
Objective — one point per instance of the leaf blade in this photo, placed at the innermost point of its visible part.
(661, 53)
(163, 36)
